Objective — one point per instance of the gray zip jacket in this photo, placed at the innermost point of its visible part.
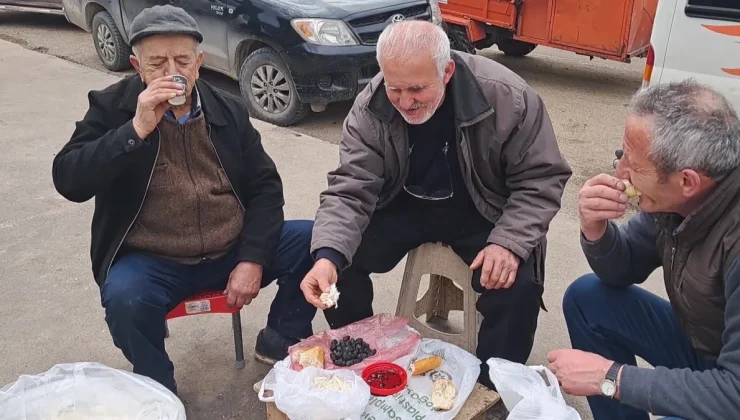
(627, 254)
(508, 153)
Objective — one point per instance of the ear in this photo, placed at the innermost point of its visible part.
(692, 183)
(449, 70)
(135, 62)
(198, 63)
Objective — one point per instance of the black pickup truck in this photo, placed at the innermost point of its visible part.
(289, 56)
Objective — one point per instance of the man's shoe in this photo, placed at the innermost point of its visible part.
(271, 346)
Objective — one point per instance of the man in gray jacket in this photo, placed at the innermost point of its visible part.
(442, 147)
(682, 152)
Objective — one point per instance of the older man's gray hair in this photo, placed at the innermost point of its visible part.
(693, 127)
(402, 40)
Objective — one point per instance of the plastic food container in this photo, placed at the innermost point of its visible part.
(385, 378)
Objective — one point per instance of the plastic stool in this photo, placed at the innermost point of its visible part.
(449, 289)
(211, 302)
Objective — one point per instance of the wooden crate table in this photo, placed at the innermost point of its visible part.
(475, 408)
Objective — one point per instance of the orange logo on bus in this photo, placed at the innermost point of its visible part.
(731, 30)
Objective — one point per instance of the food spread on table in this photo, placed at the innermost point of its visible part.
(426, 364)
(331, 383)
(312, 357)
(443, 394)
(390, 359)
(350, 351)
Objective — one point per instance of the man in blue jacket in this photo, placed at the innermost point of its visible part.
(681, 153)
(186, 200)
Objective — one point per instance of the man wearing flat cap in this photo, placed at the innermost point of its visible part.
(186, 200)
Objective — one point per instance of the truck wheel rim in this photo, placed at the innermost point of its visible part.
(105, 43)
(270, 89)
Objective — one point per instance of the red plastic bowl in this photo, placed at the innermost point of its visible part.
(393, 377)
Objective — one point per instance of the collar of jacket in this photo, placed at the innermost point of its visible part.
(209, 103)
(470, 104)
(695, 226)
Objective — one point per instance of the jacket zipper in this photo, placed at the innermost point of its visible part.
(151, 173)
(222, 167)
(195, 188)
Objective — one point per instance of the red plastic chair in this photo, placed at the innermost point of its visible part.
(211, 302)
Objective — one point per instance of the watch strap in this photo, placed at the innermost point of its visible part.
(611, 374)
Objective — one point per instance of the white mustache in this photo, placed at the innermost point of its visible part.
(416, 106)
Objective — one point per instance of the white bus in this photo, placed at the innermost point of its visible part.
(697, 39)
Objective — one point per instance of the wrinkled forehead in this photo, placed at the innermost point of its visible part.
(637, 139)
(167, 46)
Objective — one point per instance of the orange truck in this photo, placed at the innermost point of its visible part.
(610, 29)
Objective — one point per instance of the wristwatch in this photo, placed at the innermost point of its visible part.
(609, 384)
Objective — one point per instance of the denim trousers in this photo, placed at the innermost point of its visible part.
(141, 289)
(620, 324)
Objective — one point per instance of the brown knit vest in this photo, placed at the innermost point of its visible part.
(190, 211)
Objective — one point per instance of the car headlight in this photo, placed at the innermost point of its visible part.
(324, 31)
(436, 11)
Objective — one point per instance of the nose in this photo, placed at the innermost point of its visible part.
(170, 67)
(406, 101)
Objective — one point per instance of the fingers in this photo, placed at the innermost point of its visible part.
(604, 193)
(485, 275)
(606, 180)
(510, 279)
(498, 272)
(161, 96)
(165, 81)
(603, 215)
(312, 292)
(323, 284)
(477, 261)
(231, 298)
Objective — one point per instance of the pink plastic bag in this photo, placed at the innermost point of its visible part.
(389, 335)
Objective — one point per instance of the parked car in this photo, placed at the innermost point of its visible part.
(289, 56)
(53, 7)
(697, 39)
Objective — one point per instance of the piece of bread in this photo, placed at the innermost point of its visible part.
(312, 357)
(443, 395)
(330, 298)
(426, 364)
(630, 189)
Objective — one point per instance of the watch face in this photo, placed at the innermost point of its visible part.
(608, 388)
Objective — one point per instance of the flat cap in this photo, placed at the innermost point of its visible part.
(167, 19)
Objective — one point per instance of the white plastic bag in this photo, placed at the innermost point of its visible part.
(295, 395)
(88, 391)
(527, 394)
(415, 401)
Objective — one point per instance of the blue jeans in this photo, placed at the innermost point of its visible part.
(141, 289)
(621, 323)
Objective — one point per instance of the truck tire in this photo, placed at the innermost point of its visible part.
(268, 89)
(514, 47)
(459, 38)
(109, 44)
